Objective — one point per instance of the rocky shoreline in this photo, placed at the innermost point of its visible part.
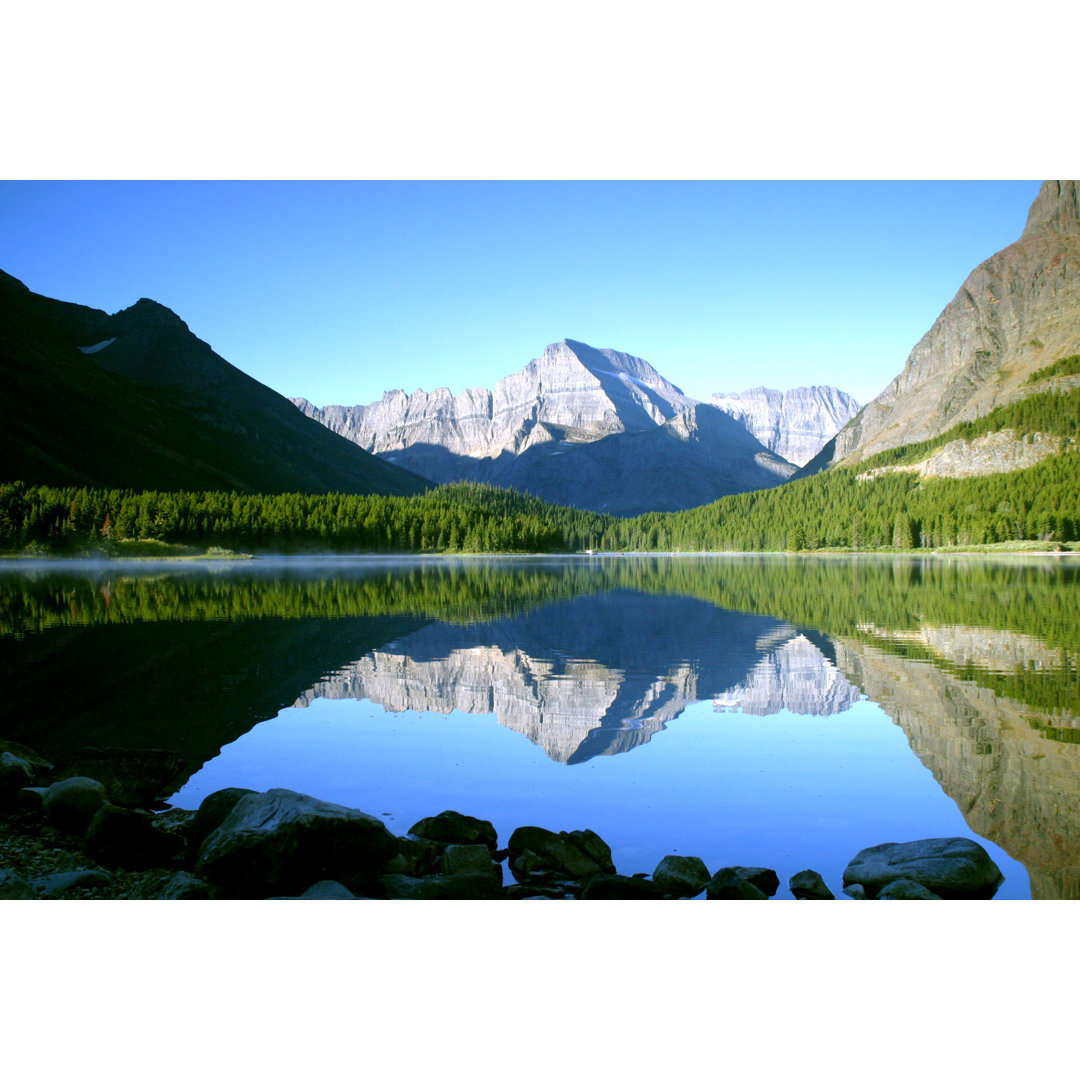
(86, 837)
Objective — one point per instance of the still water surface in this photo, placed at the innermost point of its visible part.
(776, 711)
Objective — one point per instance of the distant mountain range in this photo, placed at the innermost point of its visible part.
(136, 400)
(597, 429)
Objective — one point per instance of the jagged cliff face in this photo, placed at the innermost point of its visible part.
(588, 392)
(1016, 313)
(1012, 769)
(795, 424)
(591, 428)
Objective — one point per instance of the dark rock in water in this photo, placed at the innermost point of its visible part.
(809, 885)
(681, 876)
(906, 889)
(55, 885)
(469, 859)
(536, 852)
(619, 887)
(15, 774)
(279, 842)
(213, 810)
(327, 890)
(128, 838)
(415, 857)
(482, 886)
(953, 867)
(856, 892)
(450, 827)
(742, 883)
(131, 777)
(12, 887)
(70, 804)
(175, 822)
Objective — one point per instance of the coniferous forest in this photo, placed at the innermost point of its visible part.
(863, 507)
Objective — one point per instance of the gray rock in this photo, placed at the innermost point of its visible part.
(53, 886)
(906, 889)
(953, 867)
(481, 886)
(279, 842)
(620, 887)
(450, 827)
(469, 859)
(415, 857)
(70, 804)
(540, 852)
(15, 773)
(166, 885)
(327, 890)
(809, 885)
(681, 875)
(856, 892)
(742, 883)
(33, 798)
(213, 810)
(13, 887)
(176, 822)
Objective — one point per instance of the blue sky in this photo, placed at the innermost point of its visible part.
(337, 291)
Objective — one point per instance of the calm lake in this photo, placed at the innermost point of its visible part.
(775, 711)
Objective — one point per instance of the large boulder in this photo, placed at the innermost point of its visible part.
(450, 827)
(469, 859)
(280, 842)
(906, 889)
(681, 876)
(742, 883)
(954, 868)
(70, 804)
(213, 810)
(537, 853)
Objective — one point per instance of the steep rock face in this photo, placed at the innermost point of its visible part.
(1017, 312)
(592, 428)
(572, 388)
(795, 424)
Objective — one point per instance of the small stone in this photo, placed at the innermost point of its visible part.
(856, 892)
(809, 885)
(681, 875)
(70, 804)
(32, 798)
(906, 889)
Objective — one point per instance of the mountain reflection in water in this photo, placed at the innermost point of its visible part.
(975, 662)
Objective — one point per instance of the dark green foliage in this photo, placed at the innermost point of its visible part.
(1067, 365)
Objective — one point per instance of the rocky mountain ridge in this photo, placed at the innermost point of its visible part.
(1017, 312)
(594, 428)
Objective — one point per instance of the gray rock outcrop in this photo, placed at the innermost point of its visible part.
(795, 424)
(809, 885)
(1017, 312)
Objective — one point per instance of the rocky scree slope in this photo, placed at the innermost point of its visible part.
(1017, 312)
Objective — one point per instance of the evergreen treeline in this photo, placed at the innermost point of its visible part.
(839, 509)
